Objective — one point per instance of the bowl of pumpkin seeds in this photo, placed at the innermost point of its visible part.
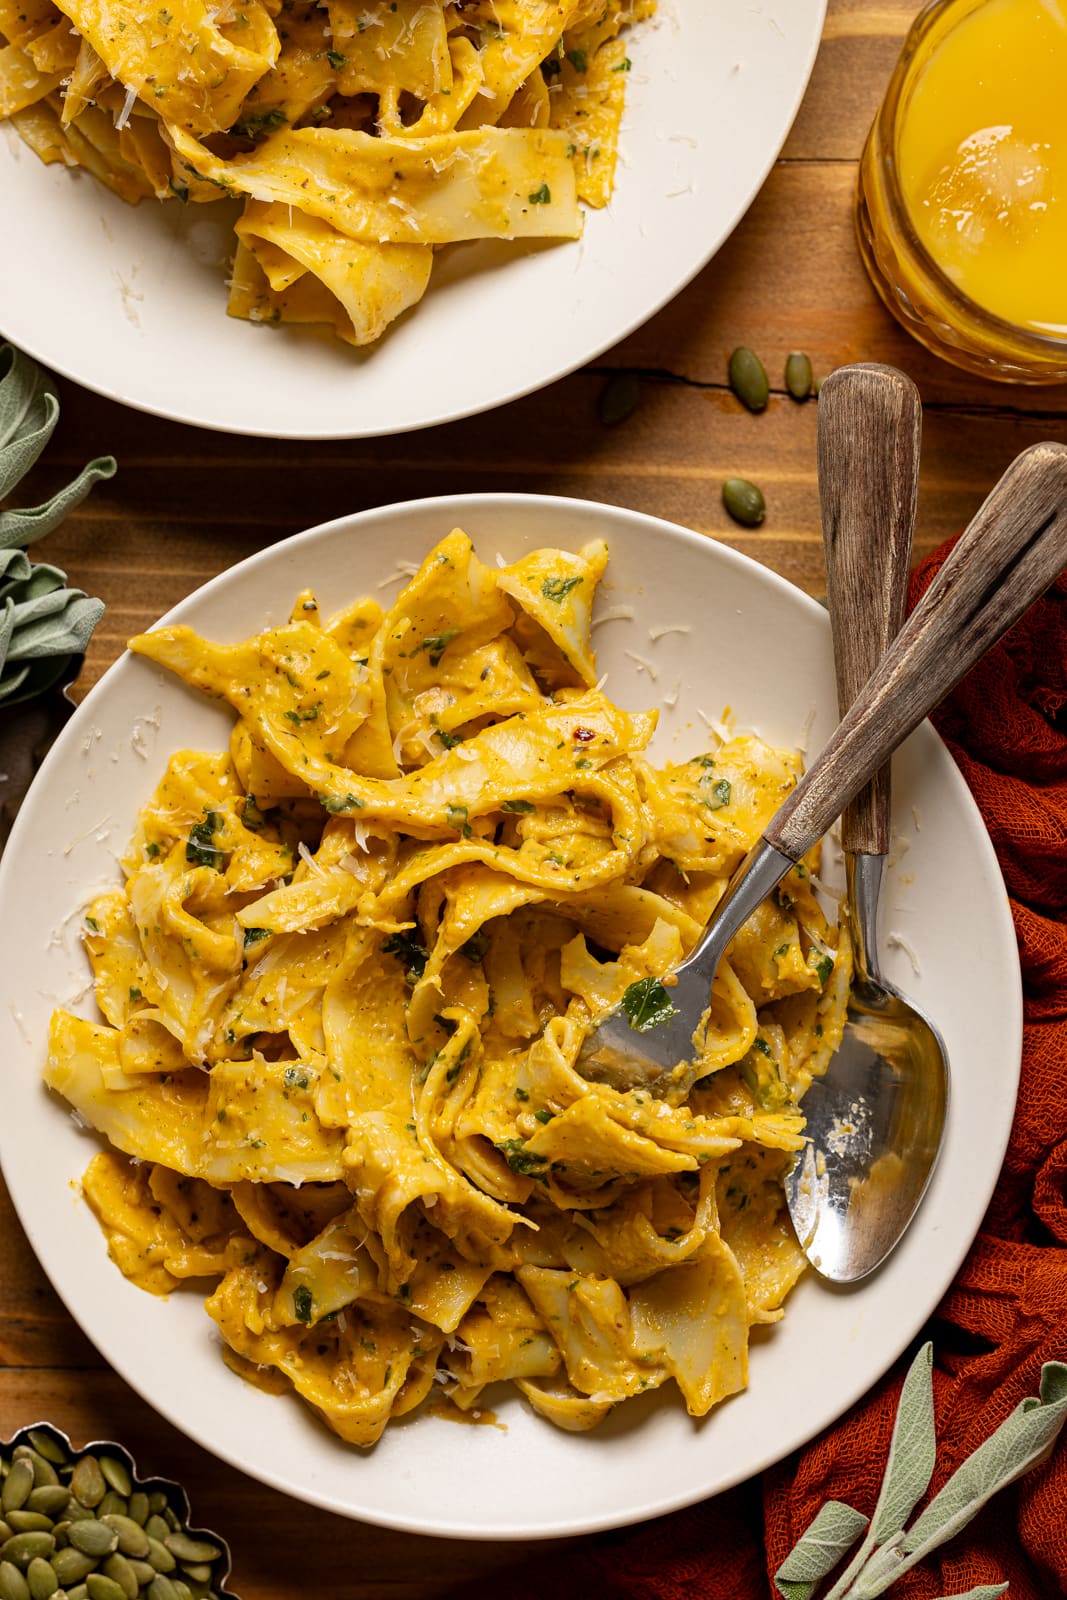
(83, 1525)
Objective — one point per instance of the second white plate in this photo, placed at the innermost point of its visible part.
(131, 301)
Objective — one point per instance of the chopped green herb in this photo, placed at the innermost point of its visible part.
(476, 947)
(578, 60)
(92, 924)
(180, 191)
(296, 1078)
(254, 935)
(303, 1303)
(540, 197)
(522, 1094)
(200, 847)
(338, 803)
(520, 1159)
(720, 795)
(558, 588)
(311, 715)
(543, 1115)
(449, 740)
(647, 1004)
(251, 816)
(623, 66)
(414, 956)
(135, 993)
(520, 807)
(336, 60)
(821, 964)
(435, 644)
(456, 817)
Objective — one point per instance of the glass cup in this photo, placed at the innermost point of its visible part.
(914, 285)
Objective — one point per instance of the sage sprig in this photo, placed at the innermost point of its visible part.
(43, 624)
(889, 1547)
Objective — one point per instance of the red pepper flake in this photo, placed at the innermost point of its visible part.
(584, 735)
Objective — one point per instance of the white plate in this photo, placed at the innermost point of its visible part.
(756, 644)
(131, 301)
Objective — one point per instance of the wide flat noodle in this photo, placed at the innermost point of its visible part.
(486, 184)
(347, 980)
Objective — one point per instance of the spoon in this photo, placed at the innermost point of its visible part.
(1009, 554)
(874, 1121)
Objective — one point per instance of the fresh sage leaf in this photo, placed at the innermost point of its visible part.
(64, 634)
(833, 1531)
(23, 527)
(1016, 1446)
(44, 625)
(912, 1450)
(647, 1004)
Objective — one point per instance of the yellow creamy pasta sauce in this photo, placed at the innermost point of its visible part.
(982, 152)
(344, 983)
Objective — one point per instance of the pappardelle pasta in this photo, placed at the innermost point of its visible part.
(345, 985)
(360, 135)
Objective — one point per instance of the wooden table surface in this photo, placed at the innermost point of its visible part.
(186, 504)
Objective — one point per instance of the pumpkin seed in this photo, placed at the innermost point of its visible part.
(619, 398)
(13, 1585)
(93, 1538)
(132, 1539)
(116, 1474)
(748, 379)
(157, 1502)
(157, 1528)
(43, 1471)
(112, 1505)
(161, 1588)
(139, 1507)
(160, 1556)
(17, 1486)
(29, 1522)
(46, 1446)
(22, 1547)
(102, 1588)
(798, 375)
(6, 1530)
(119, 1570)
(51, 1498)
(76, 1512)
(143, 1571)
(78, 1593)
(187, 1548)
(182, 1590)
(42, 1580)
(71, 1566)
(744, 502)
(87, 1482)
(198, 1571)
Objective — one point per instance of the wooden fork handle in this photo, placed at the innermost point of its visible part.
(869, 436)
(1010, 553)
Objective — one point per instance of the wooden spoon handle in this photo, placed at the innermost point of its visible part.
(869, 434)
(1012, 550)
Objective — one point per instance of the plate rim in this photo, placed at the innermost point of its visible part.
(456, 505)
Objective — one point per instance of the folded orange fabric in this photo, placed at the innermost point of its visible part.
(1006, 1313)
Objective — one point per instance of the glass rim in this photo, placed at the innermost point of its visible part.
(1028, 340)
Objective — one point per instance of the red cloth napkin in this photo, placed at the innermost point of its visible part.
(1006, 1313)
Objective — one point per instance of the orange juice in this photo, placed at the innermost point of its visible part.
(982, 156)
(961, 205)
